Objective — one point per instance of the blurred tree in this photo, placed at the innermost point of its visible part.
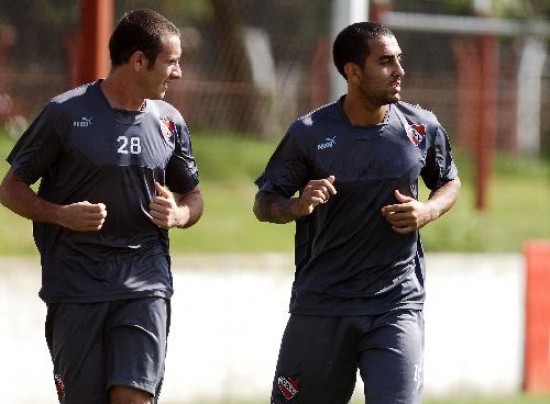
(292, 26)
(499, 8)
(181, 12)
(235, 67)
(455, 7)
(39, 26)
(224, 58)
(521, 8)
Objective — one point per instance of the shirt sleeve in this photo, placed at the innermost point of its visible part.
(37, 149)
(440, 167)
(287, 170)
(182, 173)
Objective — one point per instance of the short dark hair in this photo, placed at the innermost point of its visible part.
(142, 30)
(352, 43)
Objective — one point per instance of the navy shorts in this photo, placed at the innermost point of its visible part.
(98, 345)
(319, 358)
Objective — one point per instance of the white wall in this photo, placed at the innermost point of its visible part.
(229, 313)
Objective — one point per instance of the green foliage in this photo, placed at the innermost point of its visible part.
(498, 8)
(52, 19)
(517, 205)
(182, 13)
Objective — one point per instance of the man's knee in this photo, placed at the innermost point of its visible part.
(129, 395)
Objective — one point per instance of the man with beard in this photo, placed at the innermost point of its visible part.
(347, 174)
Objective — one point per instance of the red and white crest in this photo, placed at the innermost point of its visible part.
(288, 386)
(60, 386)
(168, 128)
(416, 133)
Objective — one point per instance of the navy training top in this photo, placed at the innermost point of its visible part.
(84, 150)
(348, 259)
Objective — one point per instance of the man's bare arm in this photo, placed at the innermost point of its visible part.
(17, 196)
(409, 214)
(193, 203)
(169, 209)
(275, 208)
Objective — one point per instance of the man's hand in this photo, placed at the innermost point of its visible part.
(316, 192)
(83, 216)
(275, 208)
(408, 214)
(164, 209)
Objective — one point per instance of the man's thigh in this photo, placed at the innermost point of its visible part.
(136, 344)
(391, 358)
(96, 346)
(316, 362)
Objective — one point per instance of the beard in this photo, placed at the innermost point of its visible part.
(380, 95)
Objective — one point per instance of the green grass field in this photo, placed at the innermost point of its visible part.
(525, 399)
(517, 205)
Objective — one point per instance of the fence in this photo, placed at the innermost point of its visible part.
(252, 68)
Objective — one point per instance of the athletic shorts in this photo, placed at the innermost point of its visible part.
(98, 345)
(319, 358)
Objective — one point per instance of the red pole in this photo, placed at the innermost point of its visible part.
(96, 19)
(378, 9)
(488, 113)
(468, 94)
(536, 374)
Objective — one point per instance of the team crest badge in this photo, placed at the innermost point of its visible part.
(416, 133)
(168, 128)
(59, 387)
(288, 386)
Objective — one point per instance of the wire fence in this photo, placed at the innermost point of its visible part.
(250, 67)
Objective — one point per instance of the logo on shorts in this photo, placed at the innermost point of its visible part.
(416, 133)
(59, 386)
(288, 386)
